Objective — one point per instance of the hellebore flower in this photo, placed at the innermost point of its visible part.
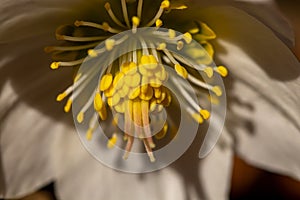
(38, 141)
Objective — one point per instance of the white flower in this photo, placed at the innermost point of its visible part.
(39, 144)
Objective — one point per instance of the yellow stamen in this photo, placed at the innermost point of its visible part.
(98, 102)
(80, 117)
(55, 65)
(112, 141)
(187, 37)
(222, 71)
(205, 114)
(165, 4)
(172, 34)
(68, 105)
(158, 23)
(109, 44)
(198, 118)
(217, 90)
(106, 82)
(92, 53)
(209, 71)
(61, 96)
(181, 71)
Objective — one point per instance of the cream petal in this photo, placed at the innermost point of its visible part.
(92, 180)
(264, 11)
(216, 169)
(265, 81)
(27, 142)
(26, 19)
(268, 13)
(187, 178)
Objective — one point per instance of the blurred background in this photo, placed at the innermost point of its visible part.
(247, 182)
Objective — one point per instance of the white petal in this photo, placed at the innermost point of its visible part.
(216, 169)
(186, 178)
(27, 138)
(266, 77)
(26, 19)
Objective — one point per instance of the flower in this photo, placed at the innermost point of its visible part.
(260, 86)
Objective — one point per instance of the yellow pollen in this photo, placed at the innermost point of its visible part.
(68, 105)
(136, 21)
(209, 72)
(98, 102)
(92, 53)
(181, 71)
(187, 37)
(55, 65)
(198, 118)
(217, 90)
(222, 71)
(112, 141)
(179, 45)
(158, 23)
(80, 117)
(89, 134)
(194, 30)
(205, 114)
(105, 26)
(172, 34)
(61, 96)
(109, 44)
(162, 46)
(165, 4)
(106, 82)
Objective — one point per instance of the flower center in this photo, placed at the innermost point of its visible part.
(133, 85)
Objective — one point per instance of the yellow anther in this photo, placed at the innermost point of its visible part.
(152, 59)
(118, 80)
(162, 133)
(109, 44)
(154, 82)
(98, 102)
(165, 4)
(128, 68)
(205, 114)
(217, 90)
(187, 37)
(55, 65)
(181, 71)
(105, 82)
(89, 134)
(68, 105)
(167, 100)
(115, 99)
(214, 100)
(112, 141)
(102, 113)
(136, 21)
(179, 45)
(120, 108)
(179, 7)
(133, 80)
(152, 106)
(194, 30)
(145, 60)
(158, 23)
(209, 71)
(123, 91)
(198, 118)
(110, 91)
(80, 117)
(161, 46)
(157, 92)
(92, 53)
(205, 34)
(107, 6)
(161, 74)
(144, 88)
(172, 34)
(61, 96)
(222, 71)
(147, 95)
(134, 93)
(105, 26)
